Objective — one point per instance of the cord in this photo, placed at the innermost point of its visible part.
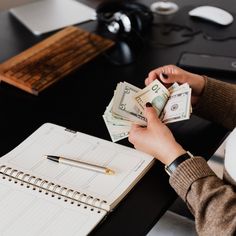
(128, 40)
(207, 37)
(166, 29)
(104, 54)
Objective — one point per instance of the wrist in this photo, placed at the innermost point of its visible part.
(196, 82)
(199, 84)
(175, 153)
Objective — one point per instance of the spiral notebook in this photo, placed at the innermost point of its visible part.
(41, 197)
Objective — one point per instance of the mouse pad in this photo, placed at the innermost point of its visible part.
(181, 27)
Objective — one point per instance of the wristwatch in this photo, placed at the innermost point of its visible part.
(173, 165)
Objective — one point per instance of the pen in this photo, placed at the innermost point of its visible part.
(81, 164)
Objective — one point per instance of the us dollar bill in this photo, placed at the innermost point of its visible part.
(124, 104)
(116, 131)
(119, 121)
(155, 93)
(172, 105)
(177, 107)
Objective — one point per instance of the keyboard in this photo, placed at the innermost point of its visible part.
(40, 66)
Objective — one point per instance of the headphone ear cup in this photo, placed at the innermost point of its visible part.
(122, 18)
(137, 24)
(144, 16)
(124, 22)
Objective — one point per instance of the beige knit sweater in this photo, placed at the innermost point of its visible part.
(211, 200)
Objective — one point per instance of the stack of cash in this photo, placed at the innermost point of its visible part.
(128, 104)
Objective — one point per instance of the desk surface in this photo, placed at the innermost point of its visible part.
(67, 103)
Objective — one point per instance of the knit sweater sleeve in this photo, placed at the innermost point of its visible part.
(218, 103)
(212, 202)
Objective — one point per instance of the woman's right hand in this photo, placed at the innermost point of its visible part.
(170, 73)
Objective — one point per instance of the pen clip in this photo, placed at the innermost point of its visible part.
(70, 130)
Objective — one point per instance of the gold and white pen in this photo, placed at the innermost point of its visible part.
(81, 164)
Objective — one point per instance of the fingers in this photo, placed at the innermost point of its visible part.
(167, 74)
(152, 119)
(154, 74)
(135, 128)
(151, 115)
(135, 133)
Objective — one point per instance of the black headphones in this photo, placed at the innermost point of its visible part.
(122, 18)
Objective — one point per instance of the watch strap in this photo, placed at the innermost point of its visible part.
(173, 165)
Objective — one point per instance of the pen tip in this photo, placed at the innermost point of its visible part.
(110, 172)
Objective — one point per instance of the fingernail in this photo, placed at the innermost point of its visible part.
(165, 76)
(148, 104)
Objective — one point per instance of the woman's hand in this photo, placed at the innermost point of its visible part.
(156, 139)
(170, 73)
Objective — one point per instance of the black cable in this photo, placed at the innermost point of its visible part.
(210, 38)
(126, 38)
(165, 29)
(104, 53)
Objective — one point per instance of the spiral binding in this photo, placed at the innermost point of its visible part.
(68, 195)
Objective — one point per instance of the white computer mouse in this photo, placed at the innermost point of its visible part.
(214, 14)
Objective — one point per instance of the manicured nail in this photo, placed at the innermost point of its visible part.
(165, 76)
(148, 104)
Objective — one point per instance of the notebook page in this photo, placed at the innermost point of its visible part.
(27, 212)
(129, 164)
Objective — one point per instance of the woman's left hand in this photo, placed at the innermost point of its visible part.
(156, 139)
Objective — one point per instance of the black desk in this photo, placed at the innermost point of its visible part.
(67, 104)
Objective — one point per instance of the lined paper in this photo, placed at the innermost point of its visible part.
(27, 212)
(129, 164)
